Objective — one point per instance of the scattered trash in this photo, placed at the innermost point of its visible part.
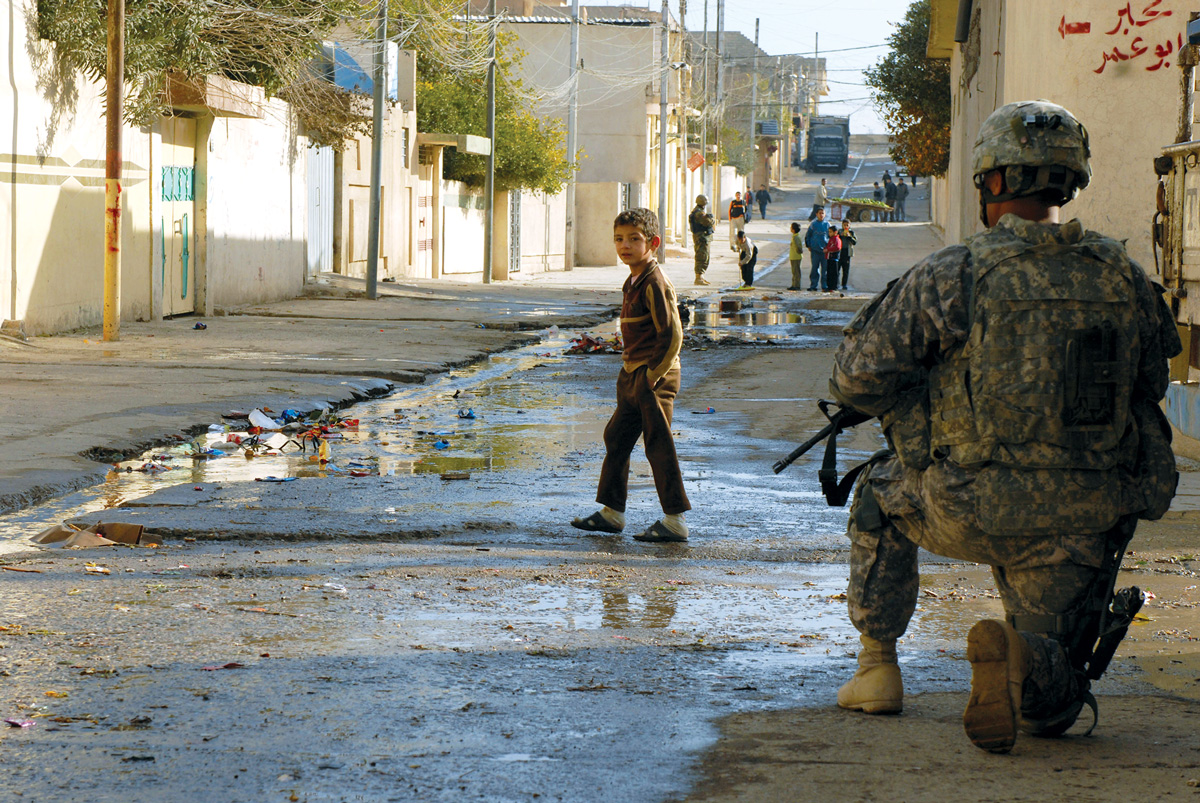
(20, 569)
(274, 479)
(20, 723)
(589, 344)
(96, 569)
(260, 419)
(468, 413)
(200, 326)
(137, 758)
(456, 475)
(230, 665)
(68, 536)
(704, 412)
(441, 444)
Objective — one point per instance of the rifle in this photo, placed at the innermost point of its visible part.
(836, 493)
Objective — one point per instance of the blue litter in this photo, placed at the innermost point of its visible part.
(466, 413)
(703, 412)
(274, 479)
(440, 444)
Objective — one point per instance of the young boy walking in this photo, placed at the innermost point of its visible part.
(646, 387)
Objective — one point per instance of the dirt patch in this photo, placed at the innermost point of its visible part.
(1144, 750)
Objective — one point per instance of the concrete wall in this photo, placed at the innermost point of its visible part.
(257, 209)
(463, 219)
(399, 182)
(249, 210)
(1112, 65)
(52, 194)
(598, 201)
(622, 73)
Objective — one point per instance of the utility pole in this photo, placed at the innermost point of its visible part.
(754, 106)
(379, 76)
(685, 122)
(572, 134)
(816, 72)
(706, 167)
(113, 111)
(663, 48)
(719, 104)
(489, 186)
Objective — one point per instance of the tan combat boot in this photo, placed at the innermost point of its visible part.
(1000, 662)
(876, 687)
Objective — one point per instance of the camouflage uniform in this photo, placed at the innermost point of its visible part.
(701, 222)
(1048, 544)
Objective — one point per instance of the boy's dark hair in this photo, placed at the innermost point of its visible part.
(795, 227)
(741, 235)
(644, 219)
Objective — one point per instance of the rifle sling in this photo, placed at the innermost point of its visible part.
(836, 493)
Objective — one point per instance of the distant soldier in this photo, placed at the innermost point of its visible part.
(1017, 378)
(702, 224)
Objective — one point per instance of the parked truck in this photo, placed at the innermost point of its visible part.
(828, 144)
(1176, 229)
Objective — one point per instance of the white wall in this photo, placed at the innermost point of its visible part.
(52, 194)
(463, 221)
(1130, 106)
(600, 202)
(257, 212)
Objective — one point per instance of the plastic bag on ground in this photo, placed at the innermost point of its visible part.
(263, 421)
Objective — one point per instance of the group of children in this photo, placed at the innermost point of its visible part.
(830, 249)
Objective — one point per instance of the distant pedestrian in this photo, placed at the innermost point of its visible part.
(763, 198)
(646, 387)
(796, 256)
(701, 222)
(815, 239)
(737, 219)
(820, 199)
(749, 203)
(877, 194)
(889, 198)
(901, 197)
(833, 253)
(747, 259)
(849, 240)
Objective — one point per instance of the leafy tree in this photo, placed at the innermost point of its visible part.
(912, 92)
(450, 98)
(266, 43)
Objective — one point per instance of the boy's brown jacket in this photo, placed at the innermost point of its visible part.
(650, 325)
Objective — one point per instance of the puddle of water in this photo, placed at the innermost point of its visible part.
(517, 424)
(747, 319)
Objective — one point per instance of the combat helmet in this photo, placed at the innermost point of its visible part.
(701, 200)
(1038, 144)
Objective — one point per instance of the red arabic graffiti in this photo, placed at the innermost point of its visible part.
(1065, 27)
(1127, 19)
(1138, 48)
(1127, 23)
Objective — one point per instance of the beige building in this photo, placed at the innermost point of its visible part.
(1111, 64)
(214, 202)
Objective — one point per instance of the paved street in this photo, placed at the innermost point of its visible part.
(413, 621)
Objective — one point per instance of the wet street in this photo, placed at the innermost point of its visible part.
(414, 619)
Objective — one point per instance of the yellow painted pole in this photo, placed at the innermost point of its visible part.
(112, 170)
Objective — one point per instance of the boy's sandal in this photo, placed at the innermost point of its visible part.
(659, 533)
(595, 523)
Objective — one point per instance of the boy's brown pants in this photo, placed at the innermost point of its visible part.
(646, 412)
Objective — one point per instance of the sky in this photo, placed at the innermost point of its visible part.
(788, 26)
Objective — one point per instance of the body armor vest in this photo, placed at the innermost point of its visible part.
(1046, 376)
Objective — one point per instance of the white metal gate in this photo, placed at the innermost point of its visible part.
(320, 210)
(514, 231)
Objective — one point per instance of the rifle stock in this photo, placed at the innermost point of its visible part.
(841, 420)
